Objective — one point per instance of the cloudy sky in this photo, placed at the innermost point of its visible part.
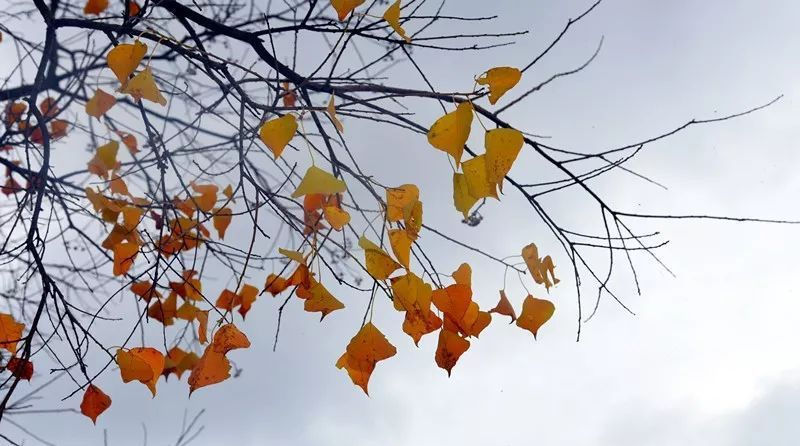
(710, 357)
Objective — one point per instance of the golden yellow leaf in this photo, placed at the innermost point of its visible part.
(500, 80)
(461, 196)
(297, 256)
(332, 114)
(345, 7)
(450, 132)
(124, 58)
(412, 216)
(100, 103)
(398, 199)
(143, 86)
(276, 133)
(336, 217)
(317, 181)
(378, 263)
(319, 299)
(478, 184)
(401, 246)
(542, 270)
(502, 148)
(367, 348)
(392, 16)
(535, 312)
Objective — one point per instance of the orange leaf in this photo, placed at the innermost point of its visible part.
(202, 325)
(398, 199)
(247, 295)
(100, 103)
(10, 333)
(95, 7)
(124, 254)
(222, 218)
(143, 364)
(345, 7)
(504, 307)
(319, 299)
(535, 312)
(275, 284)
(463, 275)
(367, 348)
(542, 270)
(94, 402)
(213, 367)
(451, 347)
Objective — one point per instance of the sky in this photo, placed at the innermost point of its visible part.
(709, 358)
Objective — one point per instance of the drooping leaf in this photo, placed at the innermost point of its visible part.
(500, 80)
(367, 348)
(213, 367)
(461, 196)
(124, 254)
(345, 7)
(222, 218)
(94, 402)
(332, 114)
(10, 333)
(275, 284)
(247, 295)
(542, 269)
(392, 16)
(297, 256)
(401, 246)
(336, 217)
(535, 312)
(317, 181)
(143, 86)
(463, 275)
(502, 147)
(100, 103)
(378, 263)
(124, 58)
(478, 183)
(398, 199)
(450, 132)
(95, 6)
(277, 133)
(104, 160)
(207, 196)
(412, 217)
(21, 368)
(450, 348)
(504, 307)
(143, 364)
(130, 142)
(319, 299)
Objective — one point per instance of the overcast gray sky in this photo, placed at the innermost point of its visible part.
(710, 358)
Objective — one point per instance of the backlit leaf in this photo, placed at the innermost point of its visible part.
(461, 196)
(450, 348)
(542, 269)
(124, 58)
(95, 6)
(143, 86)
(317, 181)
(378, 263)
(502, 148)
(500, 80)
(277, 133)
(222, 218)
(367, 348)
(100, 103)
(401, 246)
(10, 333)
(504, 307)
(450, 132)
(143, 364)
(398, 199)
(345, 7)
(392, 16)
(535, 312)
(478, 183)
(332, 114)
(124, 254)
(94, 402)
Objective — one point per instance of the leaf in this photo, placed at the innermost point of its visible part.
(461, 196)
(504, 307)
(319, 299)
(104, 159)
(100, 103)
(165, 311)
(213, 367)
(143, 364)
(535, 312)
(123, 59)
(95, 7)
(455, 301)
(412, 216)
(275, 284)
(500, 80)
(202, 326)
(130, 142)
(482, 321)
(297, 256)
(336, 217)
(450, 348)
(332, 114)
(478, 183)
(502, 148)
(143, 86)
(227, 300)
(94, 402)
(366, 348)
(401, 246)
(124, 254)
(289, 98)
(222, 218)
(398, 199)
(392, 16)
(463, 275)
(416, 325)
(21, 368)
(542, 270)
(277, 133)
(145, 290)
(10, 333)
(178, 361)
(345, 7)
(317, 181)
(379, 265)
(450, 132)
(117, 185)
(247, 295)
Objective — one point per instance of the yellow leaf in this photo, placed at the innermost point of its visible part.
(319, 299)
(104, 159)
(401, 246)
(392, 16)
(478, 184)
(412, 216)
(461, 196)
(535, 312)
(123, 59)
(293, 255)
(100, 103)
(500, 80)
(345, 7)
(502, 148)
(336, 217)
(450, 132)
(542, 270)
(277, 133)
(332, 113)
(379, 265)
(143, 86)
(398, 199)
(317, 181)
